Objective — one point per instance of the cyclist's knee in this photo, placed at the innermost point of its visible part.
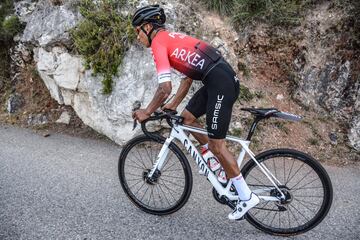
(188, 117)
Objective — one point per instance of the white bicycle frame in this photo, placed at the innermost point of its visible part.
(177, 132)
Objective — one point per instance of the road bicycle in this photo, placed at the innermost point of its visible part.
(295, 191)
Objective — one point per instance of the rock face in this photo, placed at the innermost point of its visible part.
(319, 59)
(328, 70)
(325, 80)
(70, 84)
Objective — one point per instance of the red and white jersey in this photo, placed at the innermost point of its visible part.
(186, 54)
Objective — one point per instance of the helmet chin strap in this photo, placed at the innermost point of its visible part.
(148, 34)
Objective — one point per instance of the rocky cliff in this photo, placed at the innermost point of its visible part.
(316, 63)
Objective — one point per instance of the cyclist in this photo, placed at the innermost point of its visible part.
(198, 61)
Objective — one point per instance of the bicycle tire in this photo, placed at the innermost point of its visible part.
(179, 158)
(310, 163)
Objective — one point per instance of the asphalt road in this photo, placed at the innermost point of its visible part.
(62, 187)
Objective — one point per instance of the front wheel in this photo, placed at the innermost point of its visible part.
(168, 190)
(305, 184)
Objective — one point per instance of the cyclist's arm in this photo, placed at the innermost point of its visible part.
(180, 94)
(162, 93)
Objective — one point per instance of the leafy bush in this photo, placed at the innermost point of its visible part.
(11, 26)
(103, 37)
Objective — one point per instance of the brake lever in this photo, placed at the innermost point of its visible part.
(136, 106)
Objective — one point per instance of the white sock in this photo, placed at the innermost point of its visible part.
(242, 188)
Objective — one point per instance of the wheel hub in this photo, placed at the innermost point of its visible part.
(151, 180)
(285, 190)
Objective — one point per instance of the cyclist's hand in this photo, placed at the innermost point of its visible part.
(140, 115)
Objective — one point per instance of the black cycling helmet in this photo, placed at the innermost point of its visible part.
(150, 14)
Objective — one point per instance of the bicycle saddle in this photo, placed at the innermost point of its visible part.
(261, 112)
(272, 112)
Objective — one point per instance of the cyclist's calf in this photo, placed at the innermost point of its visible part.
(227, 160)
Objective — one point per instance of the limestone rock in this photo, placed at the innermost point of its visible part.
(64, 118)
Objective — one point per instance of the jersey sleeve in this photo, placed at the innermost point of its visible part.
(162, 63)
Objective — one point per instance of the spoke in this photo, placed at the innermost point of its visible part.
(138, 160)
(164, 194)
(137, 164)
(171, 182)
(141, 160)
(159, 194)
(169, 167)
(279, 220)
(274, 168)
(170, 190)
(257, 180)
(267, 214)
(151, 193)
(295, 189)
(306, 202)
(135, 184)
(299, 212)
(302, 187)
(292, 165)
(144, 193)
(311, 210)
(171, 176)
(266, 203)
(168, 159)
(150, 157)
(175, 170)
(139, 188)
(273, 219)
(302, 178)
(311, 196)
(136, 175)
(284, 169)
(295, 173)
(133, 179)
(289, 223)
(294, 216)
(137, 167)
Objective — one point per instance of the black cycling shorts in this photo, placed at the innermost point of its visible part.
(216, 98)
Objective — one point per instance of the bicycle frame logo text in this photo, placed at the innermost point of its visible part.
(199, 160)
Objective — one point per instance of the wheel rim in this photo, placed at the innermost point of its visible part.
(305, 195)
(164, 191)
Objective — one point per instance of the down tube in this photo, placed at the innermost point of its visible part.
(191, 149)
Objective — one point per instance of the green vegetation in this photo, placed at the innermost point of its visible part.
(245, 94)
(313, 141)
(243, 68)
(281, 126)
(9, 27)
(103, 37)
(236, 132)
(221, 6)
(277, 12)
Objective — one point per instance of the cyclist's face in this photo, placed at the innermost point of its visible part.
(141, 36)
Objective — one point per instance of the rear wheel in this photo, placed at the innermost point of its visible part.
(305, 184)
(168, 190)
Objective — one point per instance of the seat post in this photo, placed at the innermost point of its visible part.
(253, 127)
